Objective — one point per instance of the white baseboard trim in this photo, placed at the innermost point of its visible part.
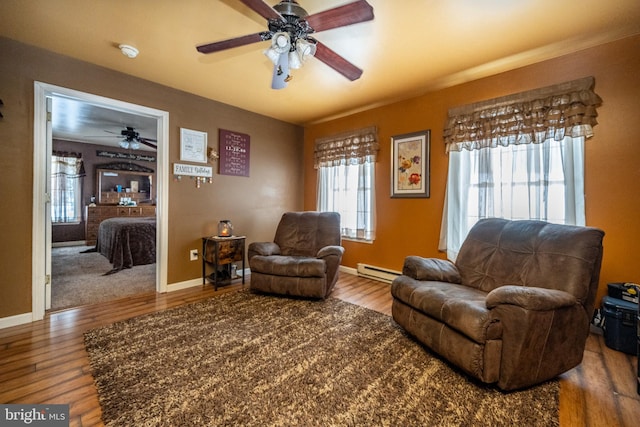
(184, 285)
(18, 319)
(65, 244)
(197, 282)
(348, 270)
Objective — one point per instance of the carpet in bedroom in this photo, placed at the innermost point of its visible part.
(78, 278)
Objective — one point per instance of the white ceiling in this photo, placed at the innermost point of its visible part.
(411, 47)
(75, 120)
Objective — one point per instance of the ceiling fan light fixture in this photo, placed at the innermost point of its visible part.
(294, 60)
(124, 144)
(305, 49)
(281, 42)
(273, 55)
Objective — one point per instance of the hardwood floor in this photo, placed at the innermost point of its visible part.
(45, 362)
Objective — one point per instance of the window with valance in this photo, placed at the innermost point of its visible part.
(520, 156)
(67, 171)
(353, 147)
(567, 109)
(346, 180)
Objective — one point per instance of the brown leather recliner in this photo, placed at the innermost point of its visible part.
(302, 260)
(515, 307)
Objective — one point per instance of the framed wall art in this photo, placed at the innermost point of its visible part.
(193, 146)
(234, 153)
(410, 164)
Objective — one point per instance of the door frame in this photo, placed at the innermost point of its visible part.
(40, 199)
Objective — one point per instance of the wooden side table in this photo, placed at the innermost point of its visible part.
(220, 253)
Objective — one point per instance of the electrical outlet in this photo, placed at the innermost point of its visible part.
(193, 255)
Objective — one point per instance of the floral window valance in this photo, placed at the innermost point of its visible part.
(566, 109)
(349, 148)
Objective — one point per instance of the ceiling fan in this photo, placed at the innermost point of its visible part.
(289, 30)
(132, 139)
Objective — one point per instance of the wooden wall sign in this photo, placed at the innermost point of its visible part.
(234, 153)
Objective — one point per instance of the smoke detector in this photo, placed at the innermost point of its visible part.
(128, 51)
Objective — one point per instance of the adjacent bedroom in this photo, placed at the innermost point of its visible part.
(103, 204)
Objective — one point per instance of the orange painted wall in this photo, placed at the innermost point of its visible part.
(612, 159)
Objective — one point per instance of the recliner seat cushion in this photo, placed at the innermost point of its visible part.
(289, 266)
(460, 307)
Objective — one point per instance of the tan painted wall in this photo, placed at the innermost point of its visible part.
(412, 226)
(254, 203)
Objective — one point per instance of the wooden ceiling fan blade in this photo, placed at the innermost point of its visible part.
(263, 9)
(148, 143)
(337, 62)
(231, 43)
(352, 13)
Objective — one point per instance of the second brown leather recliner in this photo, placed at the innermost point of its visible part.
(302, 260)
(515, 307)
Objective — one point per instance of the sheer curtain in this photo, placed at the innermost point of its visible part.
(518, 157)
(67, 171)
(346, 180)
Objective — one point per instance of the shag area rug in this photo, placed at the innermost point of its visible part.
(252, 360)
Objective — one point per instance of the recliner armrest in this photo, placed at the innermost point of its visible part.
(263, 248)
(537, 299)
(436, 269)
(330, 250)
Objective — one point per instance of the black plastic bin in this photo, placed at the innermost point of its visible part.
(620, 325)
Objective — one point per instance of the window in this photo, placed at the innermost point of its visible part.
(349, 190)
(518, 157)
(66, 188)
(346, 181)
(532, 181)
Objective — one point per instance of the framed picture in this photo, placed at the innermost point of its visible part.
(410, 164)
(193, 146)
(234, 153)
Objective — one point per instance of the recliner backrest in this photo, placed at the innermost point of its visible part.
(305, 233)
(500, 252)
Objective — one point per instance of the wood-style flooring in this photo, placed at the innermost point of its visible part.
(45, 362)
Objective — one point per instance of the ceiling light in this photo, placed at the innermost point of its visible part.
(294, 60)
(305, 49)
(128, 51)
(132, 144)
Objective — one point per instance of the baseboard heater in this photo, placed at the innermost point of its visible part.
(377, 273)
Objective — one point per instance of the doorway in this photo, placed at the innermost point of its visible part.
(41, 253)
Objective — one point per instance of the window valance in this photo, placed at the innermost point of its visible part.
(71, 162)
(353, 147)
(528, 117)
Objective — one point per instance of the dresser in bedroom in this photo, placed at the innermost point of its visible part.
(123, 189)
(96, 214)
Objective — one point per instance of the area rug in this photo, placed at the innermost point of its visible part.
(77, 278)
(243, 359)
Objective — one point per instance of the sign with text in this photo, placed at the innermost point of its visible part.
(125, 156)
(192, 170)
(234, 153)
(49, 415)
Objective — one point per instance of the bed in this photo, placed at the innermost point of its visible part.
(126, 242)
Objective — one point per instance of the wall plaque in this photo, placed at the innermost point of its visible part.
(234, 153)
(192, 170)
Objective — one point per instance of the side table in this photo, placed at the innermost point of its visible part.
(221, 253)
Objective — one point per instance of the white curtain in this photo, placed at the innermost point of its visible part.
(66, 188)
(532, 181)
(349, 190)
